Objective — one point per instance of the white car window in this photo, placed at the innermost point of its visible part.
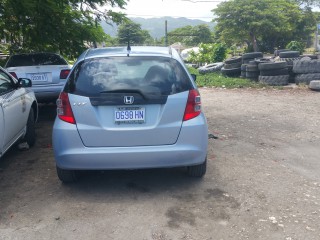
(5, 83)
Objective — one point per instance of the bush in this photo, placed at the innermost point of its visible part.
(296, 46)
(209, 53)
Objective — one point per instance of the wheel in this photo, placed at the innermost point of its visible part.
(274, 72)
(197, 170)
(30, 136)
(66, 176)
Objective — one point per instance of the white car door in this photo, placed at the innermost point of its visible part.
(14, 114)
(1, 125)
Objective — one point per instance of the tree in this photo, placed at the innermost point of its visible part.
(64, 26)
(191, 36)
(266, 23)
(132, 32)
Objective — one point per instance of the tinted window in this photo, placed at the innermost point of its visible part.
(150, 75)
(5, 83)
(35, 59)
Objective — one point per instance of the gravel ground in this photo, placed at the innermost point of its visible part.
(263, 180)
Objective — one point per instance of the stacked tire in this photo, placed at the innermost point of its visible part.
(249, 68)
(247, 57)
(274, 73)
(232, 67)
(289, 57)
(252, 71)
(306, 70)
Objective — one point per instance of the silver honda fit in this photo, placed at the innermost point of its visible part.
(129, 109)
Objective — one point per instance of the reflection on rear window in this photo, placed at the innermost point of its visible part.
(35, 59)
(150, 75)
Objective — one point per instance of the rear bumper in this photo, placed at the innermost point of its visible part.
(47, 92)
(70, 153)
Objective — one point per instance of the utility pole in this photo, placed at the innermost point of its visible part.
(166, 32)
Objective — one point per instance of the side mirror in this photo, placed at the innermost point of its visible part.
(194, 76)
(24, 82)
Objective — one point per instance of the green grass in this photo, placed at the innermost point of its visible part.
(218, 80)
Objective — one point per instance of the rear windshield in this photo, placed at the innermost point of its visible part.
(149, 75)
(35, 60)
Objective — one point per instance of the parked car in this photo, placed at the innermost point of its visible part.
(48, 72)
(129, 110)
(18, 111)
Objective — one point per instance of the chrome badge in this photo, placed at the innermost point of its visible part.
(128, 99)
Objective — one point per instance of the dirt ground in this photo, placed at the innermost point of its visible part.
(262, 182)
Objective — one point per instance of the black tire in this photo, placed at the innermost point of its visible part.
(232, 65)
(289, 61)
(306, 66)
(252, 55)
(252, 68)
(289, 54)
(66, 176)
(263, 60)
(275, 72)
(280, 80)
(30, 136)
(253, 75)
(197, 170)
(244, 67)
(306, 78)
(233, 60)
(272, 65)
(235, 72)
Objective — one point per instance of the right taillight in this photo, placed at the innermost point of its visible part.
(64, 110)
(193, 107)
(64, 73)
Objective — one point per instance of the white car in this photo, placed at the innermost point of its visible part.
(18, 111)
(48, 72)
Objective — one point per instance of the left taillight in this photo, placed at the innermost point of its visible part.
(64, 73)
(64, 110)
(14, 75)
(193, 106)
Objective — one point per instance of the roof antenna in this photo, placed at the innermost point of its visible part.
(128, 49)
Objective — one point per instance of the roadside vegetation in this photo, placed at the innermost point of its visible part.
(216, 79)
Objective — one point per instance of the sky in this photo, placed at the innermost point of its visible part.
(194, 9)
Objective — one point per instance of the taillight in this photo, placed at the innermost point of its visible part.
(64, 110)
(14, 75)
(193, 107)
(64, 73)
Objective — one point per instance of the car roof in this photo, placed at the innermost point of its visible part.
(135, 51)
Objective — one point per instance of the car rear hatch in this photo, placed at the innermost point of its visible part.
(122, 107)
(39, 75)
(107, 121)
(41, 68)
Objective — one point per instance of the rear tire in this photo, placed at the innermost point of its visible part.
(197, 170)
(66, 176)
(30, 136)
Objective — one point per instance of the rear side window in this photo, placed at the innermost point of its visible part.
(35, 60)
(150, 75)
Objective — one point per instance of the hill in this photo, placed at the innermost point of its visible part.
(156, 26)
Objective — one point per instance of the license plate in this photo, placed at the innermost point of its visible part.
(39, 77)
(129, 115)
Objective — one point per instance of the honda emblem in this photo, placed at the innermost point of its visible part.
(128, 99)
